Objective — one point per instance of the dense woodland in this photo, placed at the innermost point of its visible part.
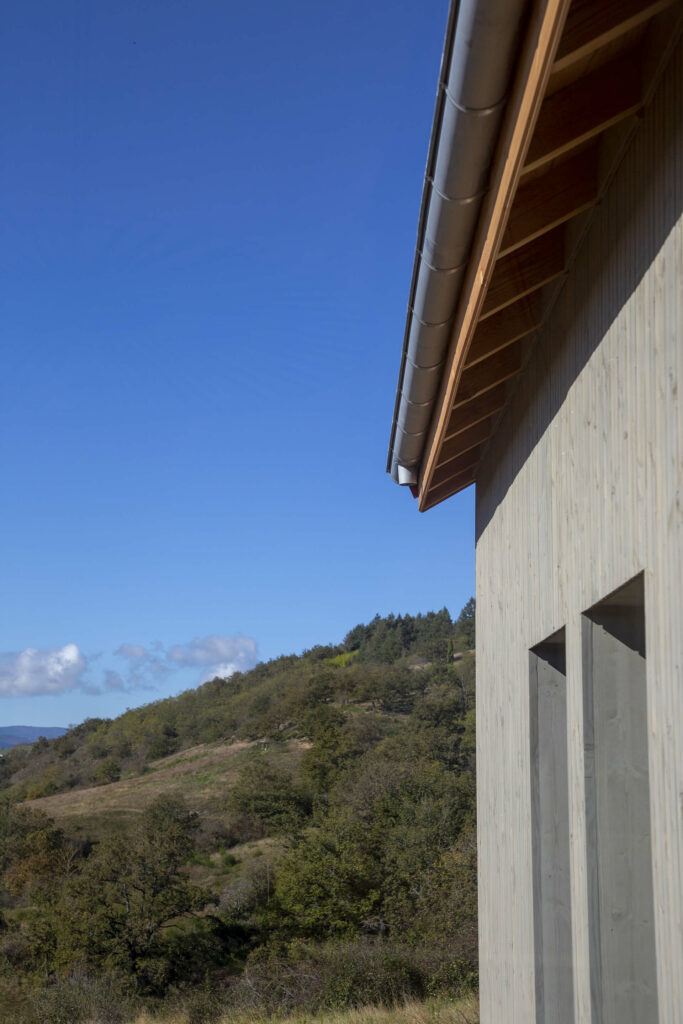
(298, 836)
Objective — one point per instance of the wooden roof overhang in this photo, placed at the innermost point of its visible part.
(585, 71)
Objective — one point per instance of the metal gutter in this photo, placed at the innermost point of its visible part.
(482, 38)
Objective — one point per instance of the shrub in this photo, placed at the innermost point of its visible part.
(80, 999)
(361, 973)
(108, 771)
(204, 1007)
(332, 976)
(228, 860)
(267, 801)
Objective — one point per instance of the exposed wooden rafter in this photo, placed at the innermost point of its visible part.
(436, 495)
(504, 328)
(565, 190)
(593, 24)
(466, 440)
(587, 68)
(467, 414)
(525, 270)
(456, 466)
(586, 108)
(489, 372)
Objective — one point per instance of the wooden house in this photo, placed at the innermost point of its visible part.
(543, 362)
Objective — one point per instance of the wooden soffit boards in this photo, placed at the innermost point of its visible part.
(584, 72)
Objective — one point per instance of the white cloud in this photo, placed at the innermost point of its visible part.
(34, 672)
(54, 670)
(145, 669)
(215, 655)
(223, 670)
(113, 682)
(134, 652)
(237, 651)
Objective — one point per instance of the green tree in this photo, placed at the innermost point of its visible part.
(465, 632)
(30, 848)
(131, 890)
(333, 748)
(327, 886)
(269, 799)
(108, 771)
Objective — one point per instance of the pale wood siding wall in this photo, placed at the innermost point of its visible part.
(582, 488)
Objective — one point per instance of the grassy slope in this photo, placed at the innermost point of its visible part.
(203, 775)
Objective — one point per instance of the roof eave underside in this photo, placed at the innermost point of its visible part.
(583, 72)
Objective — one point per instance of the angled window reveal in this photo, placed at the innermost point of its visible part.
(550, 832)
(621, 905)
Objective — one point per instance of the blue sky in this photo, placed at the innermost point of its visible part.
(211, 211)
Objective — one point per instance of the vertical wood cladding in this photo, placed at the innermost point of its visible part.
(580, 490)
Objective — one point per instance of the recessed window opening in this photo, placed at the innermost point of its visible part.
(619, 858)
(550, 832)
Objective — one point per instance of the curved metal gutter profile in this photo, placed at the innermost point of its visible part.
(479, 55)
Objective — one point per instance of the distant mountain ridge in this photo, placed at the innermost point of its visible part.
(14, 735)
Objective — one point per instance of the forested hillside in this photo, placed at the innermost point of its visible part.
(298, 836)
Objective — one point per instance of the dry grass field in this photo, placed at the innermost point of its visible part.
(461, 1011)
(204, 775)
